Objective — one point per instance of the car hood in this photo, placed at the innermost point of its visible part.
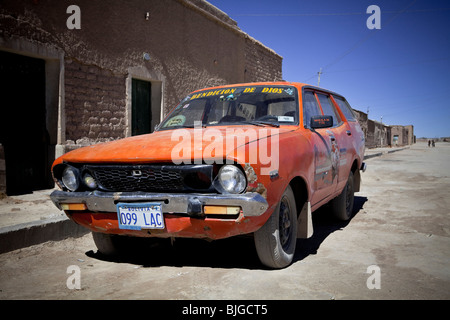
(171, 145)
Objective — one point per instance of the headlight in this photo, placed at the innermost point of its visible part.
(70, 178)
(230, 180)
(89, 181)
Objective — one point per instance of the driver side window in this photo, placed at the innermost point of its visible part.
(310, 108)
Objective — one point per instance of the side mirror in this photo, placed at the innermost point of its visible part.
(318, 122)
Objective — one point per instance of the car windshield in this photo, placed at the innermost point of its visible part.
(255, 105)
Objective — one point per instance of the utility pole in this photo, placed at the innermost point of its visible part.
(318, 80)
(381, 132)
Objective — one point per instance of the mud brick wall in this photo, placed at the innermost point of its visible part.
(190, 44)
(94, 104)
(261, 63)
(375, 133)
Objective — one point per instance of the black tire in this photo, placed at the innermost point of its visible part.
(275, 241)
(342, 205)
(108, 244)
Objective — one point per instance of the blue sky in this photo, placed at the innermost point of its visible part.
(399, 73)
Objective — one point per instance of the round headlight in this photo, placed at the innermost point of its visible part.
(70, 178)
(89, 181)
(230, 180)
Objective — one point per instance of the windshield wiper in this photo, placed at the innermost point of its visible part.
(261, 123)
(191, 126)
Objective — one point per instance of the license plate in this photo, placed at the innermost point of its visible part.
(137, 216)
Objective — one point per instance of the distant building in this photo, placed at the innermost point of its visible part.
(102, 70)
(378, 134)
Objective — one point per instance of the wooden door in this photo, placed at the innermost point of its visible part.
(141, 107)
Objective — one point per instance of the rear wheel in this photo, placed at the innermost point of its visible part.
(275, 241)
(342, 205)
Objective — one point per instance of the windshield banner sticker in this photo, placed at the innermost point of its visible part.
(212, 93)
(240, 90)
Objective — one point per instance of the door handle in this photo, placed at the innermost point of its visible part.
(349, 133)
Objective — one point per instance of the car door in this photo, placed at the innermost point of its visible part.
(324, 145)
(354, 132)
(341, 155)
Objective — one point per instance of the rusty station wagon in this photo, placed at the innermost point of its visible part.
(255, 158)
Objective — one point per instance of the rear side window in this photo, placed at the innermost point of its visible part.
(345, 108)
(328, 108)
(310, 108)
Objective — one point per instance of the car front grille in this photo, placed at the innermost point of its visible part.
(152, 178)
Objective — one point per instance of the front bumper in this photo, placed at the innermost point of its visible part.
(363, 167)
(183, 213)
(252, 204)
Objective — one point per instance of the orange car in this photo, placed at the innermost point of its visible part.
(255, 158)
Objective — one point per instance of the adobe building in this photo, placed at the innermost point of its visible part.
(378, 134)
(72, 76)
(402, 135)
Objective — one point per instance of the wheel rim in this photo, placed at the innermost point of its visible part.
(285, 223)
(348, 198)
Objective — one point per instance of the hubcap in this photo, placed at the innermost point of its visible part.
(285, 223)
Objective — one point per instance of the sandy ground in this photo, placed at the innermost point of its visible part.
(397, 246)
(36, 206)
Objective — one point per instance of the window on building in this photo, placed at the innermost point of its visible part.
(395, 140)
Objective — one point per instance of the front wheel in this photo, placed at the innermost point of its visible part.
(108, 244)
(275, 241)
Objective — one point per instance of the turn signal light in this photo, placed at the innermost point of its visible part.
(221, 210)
(73, 206)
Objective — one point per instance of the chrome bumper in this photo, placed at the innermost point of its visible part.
(252, 204)
(363, 167)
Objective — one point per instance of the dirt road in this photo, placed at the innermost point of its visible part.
(396, 247)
